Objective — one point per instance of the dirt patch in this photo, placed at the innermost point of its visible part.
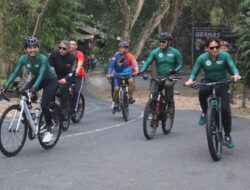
(188, 101)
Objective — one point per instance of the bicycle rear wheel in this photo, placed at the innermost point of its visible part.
(55, 129)
(214, 136)
(125, 104)
(150, 120)
(12, 137)
(80, 110)
(168, 121)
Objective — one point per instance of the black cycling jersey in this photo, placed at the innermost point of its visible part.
(62, 63)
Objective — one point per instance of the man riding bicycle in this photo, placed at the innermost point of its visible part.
(80, 73)
(215, 65)
(62, 60)
(168, 61)
(44, 78)
(123, 63)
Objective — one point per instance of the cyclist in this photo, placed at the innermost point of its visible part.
(224, 46)
(214, 64)
(168, 61)
(62, 60)
(80, 73)
(44, 78)
(123, 63)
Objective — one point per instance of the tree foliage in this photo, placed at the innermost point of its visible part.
(244, 40)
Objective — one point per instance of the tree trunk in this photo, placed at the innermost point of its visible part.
(148, 29)
(244, 98)
(175, 10)
(129, 16)
(39, 17)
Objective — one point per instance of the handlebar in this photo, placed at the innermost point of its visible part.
(161, 79)
(198, 85)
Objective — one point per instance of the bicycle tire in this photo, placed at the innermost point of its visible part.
(150, 120)
(65, 120)
(214, 138)
(125, 104)
(5, 122)
(80, 111)
(168, 121)
(65, 115)
(56, 130)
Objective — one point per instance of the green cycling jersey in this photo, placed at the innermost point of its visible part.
(39, 67)
(166, 60)
(214, 70)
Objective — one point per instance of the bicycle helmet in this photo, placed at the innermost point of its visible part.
(123, 44)
(31, 41)
(224, 43)
(164, 36)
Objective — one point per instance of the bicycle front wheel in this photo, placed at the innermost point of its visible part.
(168, 121)
(55, 129)
(80, 110)
(13, 131)
(214, 135)
(150, 120)
(125, 104)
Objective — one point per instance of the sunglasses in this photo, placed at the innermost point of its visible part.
(212, 48)
(64, 48)
(162, 41)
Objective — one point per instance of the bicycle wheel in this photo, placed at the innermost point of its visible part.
(150, 120)
(80, 110)
(65, 115)
(168, 121)
(214, 136)
(125, 104)
(55, 129)
(12, 135)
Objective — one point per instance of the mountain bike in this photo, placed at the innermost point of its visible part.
(155, 109)
(67, 113)
(21, 119)
(214, 120)
(123, 104)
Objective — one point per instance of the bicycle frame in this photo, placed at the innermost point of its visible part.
(26, 110)
(216, 102)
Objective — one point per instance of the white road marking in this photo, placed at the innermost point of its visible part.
(103, 129)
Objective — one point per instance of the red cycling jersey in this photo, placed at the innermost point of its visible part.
(80, 57)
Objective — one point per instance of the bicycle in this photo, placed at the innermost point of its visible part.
(123, 104)
(155, 109)
(21, 119)
(67, 113)
(214, 120)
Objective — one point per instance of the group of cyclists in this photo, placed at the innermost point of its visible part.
(57, 70)
(50, 73)
(216, 63)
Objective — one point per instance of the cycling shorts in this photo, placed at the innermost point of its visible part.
(118, 81)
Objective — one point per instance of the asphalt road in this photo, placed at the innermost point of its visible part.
(103, 152)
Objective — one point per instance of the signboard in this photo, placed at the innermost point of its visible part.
(200, 35)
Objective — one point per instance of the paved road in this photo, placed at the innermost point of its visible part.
(105, 153)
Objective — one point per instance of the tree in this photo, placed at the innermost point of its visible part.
(244, 45)
(129, 14)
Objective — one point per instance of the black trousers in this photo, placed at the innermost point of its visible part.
(49, 88)
(64, 95)
(169, 90)
(223, 92)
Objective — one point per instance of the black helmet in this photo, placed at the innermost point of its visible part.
(164, 36)
(123, 44)
(31, 41)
